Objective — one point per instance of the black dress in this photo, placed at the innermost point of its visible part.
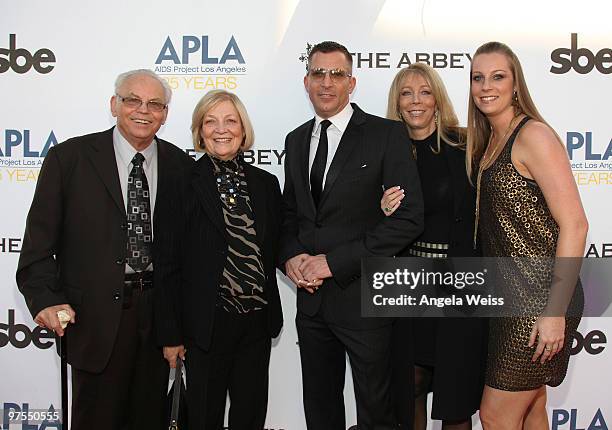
(454, 347)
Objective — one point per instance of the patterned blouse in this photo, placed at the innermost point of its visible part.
(241, 288)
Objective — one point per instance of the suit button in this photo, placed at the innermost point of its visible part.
(119, 261)
(117, 296)
(123, 226)
(458, 219)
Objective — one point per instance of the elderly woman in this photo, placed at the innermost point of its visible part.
(529, 209)
(217, 302)
(448, 353)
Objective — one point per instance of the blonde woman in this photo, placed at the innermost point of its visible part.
(217, 301)
(528, 209)
(449, 353)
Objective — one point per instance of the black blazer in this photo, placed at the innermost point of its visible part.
(194, 250)
(374, 153)
(74, 244)
(460, 343)
(464, 206)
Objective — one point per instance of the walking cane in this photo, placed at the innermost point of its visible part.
(176, 395)
(64, 319)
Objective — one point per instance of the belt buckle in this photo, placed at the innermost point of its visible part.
(139, 283)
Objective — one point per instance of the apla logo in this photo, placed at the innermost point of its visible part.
(14, 139)
(194, 56)
(583, 143)
(192, 63)
(590, 165)
(568, 420)
(193, 44)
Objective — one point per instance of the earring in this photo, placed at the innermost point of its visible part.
(515, 104)
(436, 117)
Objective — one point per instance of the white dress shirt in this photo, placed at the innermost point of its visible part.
(339, 122)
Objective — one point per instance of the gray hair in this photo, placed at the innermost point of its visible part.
(127, 75)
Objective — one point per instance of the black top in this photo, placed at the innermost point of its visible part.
(436, 183)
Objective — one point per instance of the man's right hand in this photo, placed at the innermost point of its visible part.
(172, 352)
(292, 269)
(48, 317)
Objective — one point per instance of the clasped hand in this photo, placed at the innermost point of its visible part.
(308, 271)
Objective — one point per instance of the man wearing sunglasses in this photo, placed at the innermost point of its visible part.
(88, 250)
(337, 165)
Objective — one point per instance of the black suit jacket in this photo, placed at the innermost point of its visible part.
(74, 244)
(461, 241)
(348, 225)
(189, 269)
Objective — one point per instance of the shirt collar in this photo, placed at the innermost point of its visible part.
(340, 120)
(126, 151)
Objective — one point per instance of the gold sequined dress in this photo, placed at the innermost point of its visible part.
(516, 222)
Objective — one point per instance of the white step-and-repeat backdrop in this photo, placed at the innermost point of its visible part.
(58, 62)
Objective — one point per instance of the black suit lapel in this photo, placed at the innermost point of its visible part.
(351, 138)
(164, 167)
(257, 194)
(102, 157)
(204, 185)
(303, 139)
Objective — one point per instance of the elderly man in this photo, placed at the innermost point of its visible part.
(88, 249)
(336, 167)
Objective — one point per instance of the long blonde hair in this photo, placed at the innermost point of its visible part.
(478, 127)
(447, 123)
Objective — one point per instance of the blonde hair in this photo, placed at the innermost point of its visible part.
(209, 101)
(478, 127)
(447, 122)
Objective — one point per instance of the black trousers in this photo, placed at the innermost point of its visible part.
(322, 352)
(130, 393)
(403, 371)
(237, 362)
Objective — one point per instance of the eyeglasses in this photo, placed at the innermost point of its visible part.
(135, 103)
(335, 75)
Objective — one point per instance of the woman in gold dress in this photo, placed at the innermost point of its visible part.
(528, 210)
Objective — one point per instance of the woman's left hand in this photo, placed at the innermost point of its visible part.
(391, 200)
(550, 334)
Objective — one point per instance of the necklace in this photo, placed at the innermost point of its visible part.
(489, 159)
(427, 143)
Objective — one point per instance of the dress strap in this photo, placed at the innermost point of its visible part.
(515, 133)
